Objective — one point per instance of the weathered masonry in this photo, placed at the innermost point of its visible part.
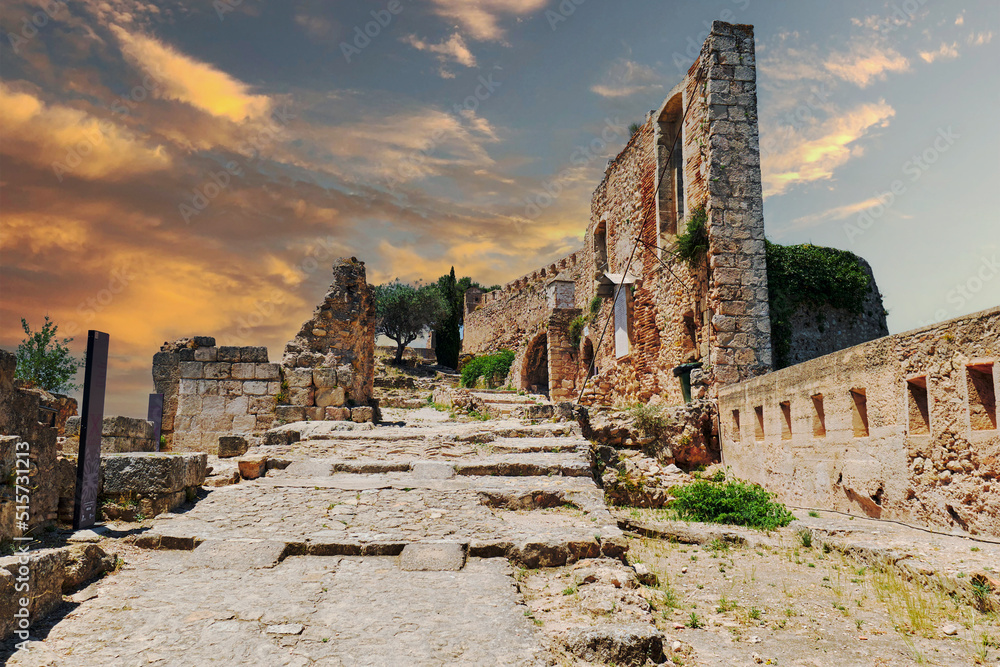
(903, 427)
(692, 169)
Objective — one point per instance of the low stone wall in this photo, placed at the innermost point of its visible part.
(138, 483)
(118, 434)
(211, 391)
(19, 421)
(48, 573)
(903, 427)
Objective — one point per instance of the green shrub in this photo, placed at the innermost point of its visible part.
(649, 418)
(575, 331)
(493, 368)
(733, 502)
(692, 244)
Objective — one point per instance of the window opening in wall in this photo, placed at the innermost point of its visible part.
(786, 420)
(758, 425)
(736, 425)
(622, 333)
(601, 246)
(917, 408)
(859, 413)
(588, 357)
(982, 397)
(670, 196)
(819, 416)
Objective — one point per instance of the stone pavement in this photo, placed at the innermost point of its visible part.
(384, 546)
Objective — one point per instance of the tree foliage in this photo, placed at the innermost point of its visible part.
(405, 311)
(448, 337)
(44, 360)
(493, 368)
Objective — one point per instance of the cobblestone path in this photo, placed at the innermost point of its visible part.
(391, 546)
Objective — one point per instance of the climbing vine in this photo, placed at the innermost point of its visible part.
(579, 323)
(812, 276)
(692, 243)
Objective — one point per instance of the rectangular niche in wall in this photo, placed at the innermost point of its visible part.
(786, 420)
(758, 424)
(859, 413)
(982, 397)
(819, 416)
(736, 425)
(917, 407)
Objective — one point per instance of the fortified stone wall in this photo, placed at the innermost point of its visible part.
(211, 391)
(819, 331)
(904, 427)
(21, 432)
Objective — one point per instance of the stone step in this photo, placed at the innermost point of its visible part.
(526, 464)
(531, 445)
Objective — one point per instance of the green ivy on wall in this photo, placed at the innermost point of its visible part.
(814, 276)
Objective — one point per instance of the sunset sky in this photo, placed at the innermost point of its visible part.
(178, 168)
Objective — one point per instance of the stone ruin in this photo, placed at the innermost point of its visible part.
(212, 391)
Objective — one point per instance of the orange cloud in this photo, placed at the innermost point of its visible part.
(790, 156)
(72, 141)
(863, 65)
(481, 18)
(180, 77)
(944, 52)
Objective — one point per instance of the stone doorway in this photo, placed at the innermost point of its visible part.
(535, 373)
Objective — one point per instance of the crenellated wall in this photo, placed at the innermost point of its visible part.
(903, 427)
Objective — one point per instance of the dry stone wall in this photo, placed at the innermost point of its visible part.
(212, 391)
(118, 434)
(903, 427)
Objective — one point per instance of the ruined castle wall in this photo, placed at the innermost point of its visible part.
(903, 427)
(211, 391)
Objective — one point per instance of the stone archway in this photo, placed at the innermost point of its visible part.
(535, 370)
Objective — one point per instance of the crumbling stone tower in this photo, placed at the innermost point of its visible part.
(331, 361)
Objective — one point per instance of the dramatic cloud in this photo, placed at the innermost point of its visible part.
(791, 156)
(481, 18)
(68, 140)
(626, 78)
(180, 77)
(864, 65)
(944, 52)
(836, 213)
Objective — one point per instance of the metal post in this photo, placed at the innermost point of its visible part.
(88, 466)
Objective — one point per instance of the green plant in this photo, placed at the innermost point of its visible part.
(633, 128)
(493, 368)
(806, 538)
(692, 244)
(755, 613)
(725, 604)
(693, 621)
(44, 360)
(406, 311)
(809, 275)
(649, 419)
(595, 306)
(814, 514)
(575, 330)
(732, 502)
(282, 396)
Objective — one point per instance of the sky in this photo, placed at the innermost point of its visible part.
(178, 168)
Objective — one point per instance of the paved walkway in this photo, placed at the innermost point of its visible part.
(390, 546)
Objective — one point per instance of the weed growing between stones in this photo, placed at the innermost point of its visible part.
(493, 368)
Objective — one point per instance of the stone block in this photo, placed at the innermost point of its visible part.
(289, 413)
(315, 414)
(229, 387)
(261, 405)
(252, 467)
(188, 404)
(244, 424)
(188, 386)
(337, 414)
(333, 396)
(192, 369)
(237, 405)
(298, 377)
(214, 421)
(243, 371)
(185, 354)
(303, 396)
(209, 387)
(433, 556)
(147, 474)
(267, 371)
(232, 445)
(255, 388)
(361, 414)
(229, 353)
(213, 405)
(218, 371)
(254, 354)
(206, 354)
(204, 341)
(273, 388)
(324, 377)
